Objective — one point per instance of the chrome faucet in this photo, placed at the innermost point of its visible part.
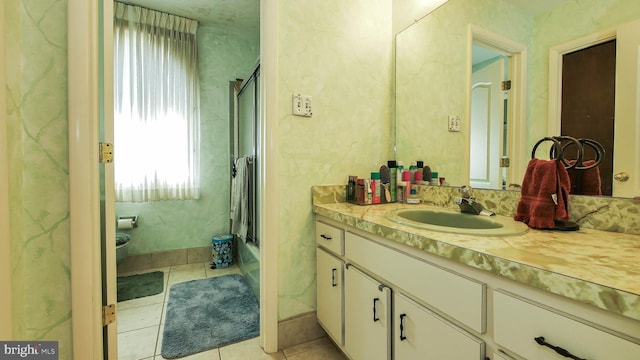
(468, 203)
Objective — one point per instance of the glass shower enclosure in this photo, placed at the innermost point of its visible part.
(244, 140)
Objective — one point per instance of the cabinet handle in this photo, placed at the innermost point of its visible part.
(402, 337)
(333, 277)
(559, 350)
(325, 237)
(375, 315)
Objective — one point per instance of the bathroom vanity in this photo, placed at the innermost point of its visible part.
(391, 291)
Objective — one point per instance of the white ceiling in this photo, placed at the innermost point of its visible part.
(234, 15)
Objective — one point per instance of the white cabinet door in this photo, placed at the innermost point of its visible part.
(367, 317)
(330, 294)
(421, 334)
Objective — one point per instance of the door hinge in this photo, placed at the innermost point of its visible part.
(504, 162)
(506, 85)
(108, 314)
(106, 153)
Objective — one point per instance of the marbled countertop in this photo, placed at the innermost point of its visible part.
(591, 266)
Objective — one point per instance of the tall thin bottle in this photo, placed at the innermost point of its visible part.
(393, 182)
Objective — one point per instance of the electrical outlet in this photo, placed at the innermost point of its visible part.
(454, 123)
(302, 105)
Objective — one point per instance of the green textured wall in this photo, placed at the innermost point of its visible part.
(178, 224)
(339, 52)
(38, 181)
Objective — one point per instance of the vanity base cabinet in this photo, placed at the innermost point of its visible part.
(329, 281)
(531, 330)
(367, 320)
(421, 334)
(423, 306)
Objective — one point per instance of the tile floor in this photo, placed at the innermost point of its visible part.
(141, 323)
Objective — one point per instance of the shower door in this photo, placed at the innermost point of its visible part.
(245, 144)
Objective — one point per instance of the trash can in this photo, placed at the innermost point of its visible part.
(221, 251)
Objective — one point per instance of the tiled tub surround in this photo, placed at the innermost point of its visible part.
(591, 266)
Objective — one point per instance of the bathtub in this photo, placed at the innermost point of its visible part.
(249, 262)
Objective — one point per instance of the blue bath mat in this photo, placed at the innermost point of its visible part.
(209, 313)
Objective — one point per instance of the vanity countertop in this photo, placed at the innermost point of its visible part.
(591, 266)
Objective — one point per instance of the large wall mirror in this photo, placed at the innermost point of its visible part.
(435, 81)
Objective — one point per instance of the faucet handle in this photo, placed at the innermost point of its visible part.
(465, 189)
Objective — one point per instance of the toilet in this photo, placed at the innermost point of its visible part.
(122, 246)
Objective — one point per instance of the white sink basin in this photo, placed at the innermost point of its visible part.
(451, 221)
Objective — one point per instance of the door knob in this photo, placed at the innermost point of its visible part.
(621, 176)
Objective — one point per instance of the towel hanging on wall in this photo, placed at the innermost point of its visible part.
(240, 198)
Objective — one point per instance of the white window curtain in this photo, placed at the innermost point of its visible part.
(157, 106)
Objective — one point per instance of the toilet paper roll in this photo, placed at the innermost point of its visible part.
(125, 224)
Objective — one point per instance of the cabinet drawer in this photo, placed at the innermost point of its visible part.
(517, 323)
(330, 237)
(459, 297)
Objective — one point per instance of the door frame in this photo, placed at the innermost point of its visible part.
(84, 199)
(516, 109)
(6, 320)
(84, 195)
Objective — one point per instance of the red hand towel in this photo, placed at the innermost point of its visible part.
(542, 180)
(585, 182)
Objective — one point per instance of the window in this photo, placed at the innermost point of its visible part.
(157, 106)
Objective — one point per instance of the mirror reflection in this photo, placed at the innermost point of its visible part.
(488, 116)
(434, 82)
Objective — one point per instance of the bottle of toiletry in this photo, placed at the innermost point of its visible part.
(413, 196)
(376, 186)
(351, 189)
(418, 174)
(393, 185)
(369, 192)
(435, 181)
(406, 178)
(361, 192)
(399, 183)
(401, 193)
(412, 170)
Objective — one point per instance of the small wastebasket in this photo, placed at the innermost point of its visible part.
(222, 251)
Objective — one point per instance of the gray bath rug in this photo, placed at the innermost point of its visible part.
(209, 313)
(141, 285)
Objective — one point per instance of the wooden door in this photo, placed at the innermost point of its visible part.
(588, 104)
